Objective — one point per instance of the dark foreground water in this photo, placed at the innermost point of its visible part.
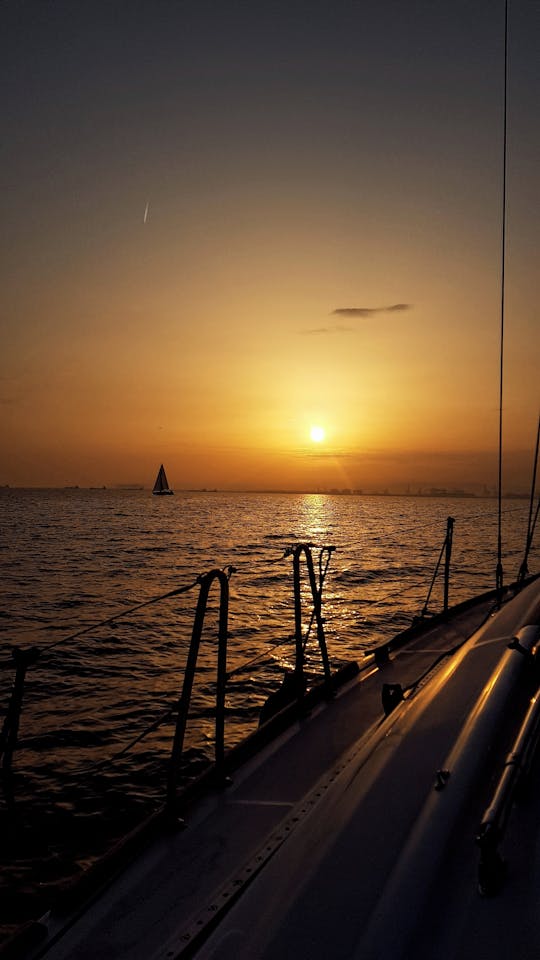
(95, 732)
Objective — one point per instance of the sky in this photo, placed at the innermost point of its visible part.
(225, 223)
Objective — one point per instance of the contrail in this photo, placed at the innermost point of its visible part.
(145, 218)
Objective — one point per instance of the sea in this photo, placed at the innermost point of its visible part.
(85, 576)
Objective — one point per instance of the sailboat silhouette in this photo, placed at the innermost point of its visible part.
(161, 486)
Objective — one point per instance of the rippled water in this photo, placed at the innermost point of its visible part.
(72, 558)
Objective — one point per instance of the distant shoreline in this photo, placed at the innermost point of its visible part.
(430, 494)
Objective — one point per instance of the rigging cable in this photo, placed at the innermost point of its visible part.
(524, 568)
(123, 613)
(44, 651)
(499, 571)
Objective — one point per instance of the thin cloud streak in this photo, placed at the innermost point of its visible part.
(370, 311)
(354, 312)
(322, 331)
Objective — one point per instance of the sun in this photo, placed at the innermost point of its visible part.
(317, 434)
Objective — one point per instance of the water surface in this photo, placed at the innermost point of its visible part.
(87, 766)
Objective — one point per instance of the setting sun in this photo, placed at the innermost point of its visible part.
(267, 282)
(317, 434)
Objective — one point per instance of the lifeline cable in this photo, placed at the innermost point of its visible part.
(155, 725)
(124, 613)
(43, 651)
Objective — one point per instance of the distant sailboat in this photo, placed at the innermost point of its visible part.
(161, 486)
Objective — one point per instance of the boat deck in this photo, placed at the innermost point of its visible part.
(238, 853)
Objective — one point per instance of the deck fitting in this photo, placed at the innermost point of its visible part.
(441, 779)
(391, 694)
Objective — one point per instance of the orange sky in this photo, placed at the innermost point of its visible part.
(182, 231)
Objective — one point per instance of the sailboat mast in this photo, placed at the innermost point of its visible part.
(499, 571)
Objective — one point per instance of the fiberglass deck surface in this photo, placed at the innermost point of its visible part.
(184, 879)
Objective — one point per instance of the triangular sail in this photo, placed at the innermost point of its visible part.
(161, 485)
(161, 479)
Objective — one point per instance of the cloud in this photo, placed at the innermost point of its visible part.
(321, 331)
(353, 312)
(370, 311)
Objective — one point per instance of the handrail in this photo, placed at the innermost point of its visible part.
(206, 582)
(10, 729)
(23, 658)
(446, 549)
(491, 868)
(294, 684)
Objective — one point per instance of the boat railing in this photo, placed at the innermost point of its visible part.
(309, 570)
(316, 598)
(446, 552)
(294, 687)
(24, 659)
(206, 582)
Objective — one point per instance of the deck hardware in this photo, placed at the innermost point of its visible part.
(441, 779)
(23, 659)
(291, 690)
(293, 687)
(516, 645)
(382, 654)
(391, 694)
(492, 867)
(221, 779)
(174, 822)
(446, 551)
(316, 593)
